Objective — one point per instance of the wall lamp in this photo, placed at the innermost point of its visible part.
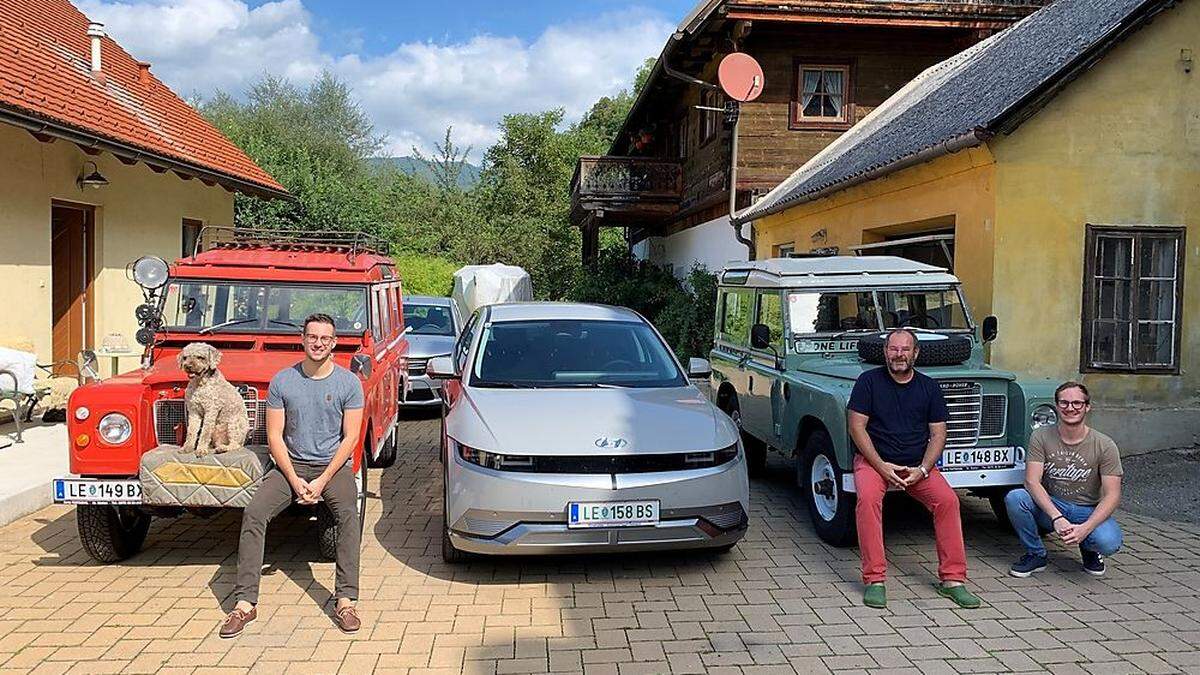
(95, 179)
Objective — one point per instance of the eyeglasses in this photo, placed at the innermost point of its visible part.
(1072, 405)
(319, 339)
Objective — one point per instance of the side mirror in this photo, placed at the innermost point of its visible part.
(441, 368)
(360, 364)
(990, 328)
(760, 336)
(699, 368)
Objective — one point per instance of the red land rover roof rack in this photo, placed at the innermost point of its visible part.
(351, 243)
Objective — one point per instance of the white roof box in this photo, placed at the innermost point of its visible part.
(478, 285)
(843, 271)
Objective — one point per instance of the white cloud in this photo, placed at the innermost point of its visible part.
(413, 92)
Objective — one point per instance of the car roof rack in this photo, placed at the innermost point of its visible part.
(352, 243)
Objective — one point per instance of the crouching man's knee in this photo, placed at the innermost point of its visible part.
(1105, 539)
(1019, 500)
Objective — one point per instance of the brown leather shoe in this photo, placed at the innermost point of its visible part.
(236, 622)
(347, 620)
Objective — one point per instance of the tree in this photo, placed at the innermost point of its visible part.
(314, 141)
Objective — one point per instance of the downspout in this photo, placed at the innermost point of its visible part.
(664, 59)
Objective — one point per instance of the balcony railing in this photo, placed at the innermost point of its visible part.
(636, 187)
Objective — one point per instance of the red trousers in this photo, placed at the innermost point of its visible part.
(937, 496)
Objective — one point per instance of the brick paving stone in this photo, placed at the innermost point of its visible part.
(780, 602)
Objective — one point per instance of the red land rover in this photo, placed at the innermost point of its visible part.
(247, 296)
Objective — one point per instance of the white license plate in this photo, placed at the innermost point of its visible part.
(88, 491)
(976, 458)
(612, 514)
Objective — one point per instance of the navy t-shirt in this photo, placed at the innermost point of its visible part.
(900, 414)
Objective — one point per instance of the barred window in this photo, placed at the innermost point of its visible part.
(1133, 298)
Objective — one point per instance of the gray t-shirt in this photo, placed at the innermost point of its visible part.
(312, 428)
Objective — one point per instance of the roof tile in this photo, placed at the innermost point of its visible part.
(45, 73)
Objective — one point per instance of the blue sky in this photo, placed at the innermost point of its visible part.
(415, 67)
(375, 27)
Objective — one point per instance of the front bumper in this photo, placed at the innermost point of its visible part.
(422, 391)
(968, 478)
(513, 513)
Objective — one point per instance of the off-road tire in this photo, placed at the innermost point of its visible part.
(839, 530)
(327, 527)
(1000, 508)
(952, 350)
(110, 536)
(387, 456)
(756, 450)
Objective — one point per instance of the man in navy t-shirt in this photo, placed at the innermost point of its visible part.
(898, 421)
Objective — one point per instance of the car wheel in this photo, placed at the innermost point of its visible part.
(111, 533)
(327, 533)
(830, 507)
(756, 450)
(1000, 508)
(390, 448)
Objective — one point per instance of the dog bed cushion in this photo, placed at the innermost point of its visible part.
(171, 477)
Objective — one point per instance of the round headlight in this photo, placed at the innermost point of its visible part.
(150, 272)
(115, 428)
(81, 413)
(1043, 416)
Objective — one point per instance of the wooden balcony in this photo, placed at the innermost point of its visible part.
(619, 191)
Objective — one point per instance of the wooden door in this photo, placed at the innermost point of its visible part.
(71, 274)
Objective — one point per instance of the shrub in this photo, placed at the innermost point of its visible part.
(426, 275)
(682, 311)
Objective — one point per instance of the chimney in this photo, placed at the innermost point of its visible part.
(143, 73)
(96, 31)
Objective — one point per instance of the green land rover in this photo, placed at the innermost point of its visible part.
(793, 334)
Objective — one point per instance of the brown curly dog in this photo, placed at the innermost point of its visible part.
(216, 413)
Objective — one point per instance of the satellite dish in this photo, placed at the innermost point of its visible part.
(741, 77)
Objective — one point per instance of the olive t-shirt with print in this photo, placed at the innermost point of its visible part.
(1072, 472)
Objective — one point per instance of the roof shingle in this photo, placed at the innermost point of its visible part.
(45, 73)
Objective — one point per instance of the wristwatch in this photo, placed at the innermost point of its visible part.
(924, 471)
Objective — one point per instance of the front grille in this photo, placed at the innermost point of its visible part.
(994, 418)
(963, 401)
(170, 418)
(417, 366)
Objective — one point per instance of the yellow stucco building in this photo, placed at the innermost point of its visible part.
(1056, 168)
(100, 163)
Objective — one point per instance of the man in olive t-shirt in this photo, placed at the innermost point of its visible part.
(1072, 487)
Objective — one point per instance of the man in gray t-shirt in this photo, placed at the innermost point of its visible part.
(314, 416)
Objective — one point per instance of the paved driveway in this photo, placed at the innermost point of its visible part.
(780, 602)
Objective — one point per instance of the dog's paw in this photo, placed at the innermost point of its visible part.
(203, 452)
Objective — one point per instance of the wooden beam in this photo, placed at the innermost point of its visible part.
(127, 161)
(43, 138)
(898, 21)
(157, 168)
(183, 175)
(89, 150)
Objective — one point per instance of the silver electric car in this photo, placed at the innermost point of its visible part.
(573, 428)
(432, 324)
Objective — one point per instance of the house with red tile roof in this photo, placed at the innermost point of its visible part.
(100, 163)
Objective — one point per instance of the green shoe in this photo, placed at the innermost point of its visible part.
(875, 596)
(960, 595)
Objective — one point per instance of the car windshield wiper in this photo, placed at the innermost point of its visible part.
(238, 322)
(235, 322)
(500, 384)
(585, 385)
(844, 333)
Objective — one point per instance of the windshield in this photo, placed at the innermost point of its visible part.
(218, 306)
(816, 312)
(428, 319)
(573, 353)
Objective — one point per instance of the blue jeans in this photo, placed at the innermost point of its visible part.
(1031, 523)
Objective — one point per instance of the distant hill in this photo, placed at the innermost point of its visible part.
(414, 167)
